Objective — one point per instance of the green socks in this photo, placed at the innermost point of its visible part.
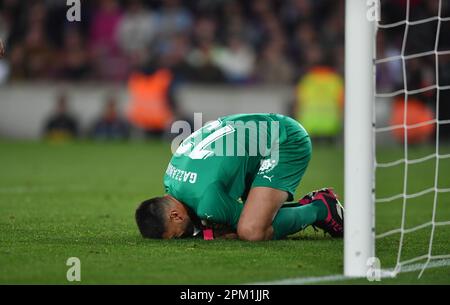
(290, 220)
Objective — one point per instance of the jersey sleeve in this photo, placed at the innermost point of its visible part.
(218, 207)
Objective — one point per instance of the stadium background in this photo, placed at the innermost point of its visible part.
(71, 190)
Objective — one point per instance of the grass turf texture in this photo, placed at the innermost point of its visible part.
(78, 199)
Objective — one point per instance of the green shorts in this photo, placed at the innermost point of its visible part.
(286, 171)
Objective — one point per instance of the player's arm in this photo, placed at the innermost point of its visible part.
(220, 212)
(225, 232)
(260, 209)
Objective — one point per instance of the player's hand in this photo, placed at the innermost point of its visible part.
(2, 49)
(228, 236)
(224, 232)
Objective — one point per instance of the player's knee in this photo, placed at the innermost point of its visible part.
(251, 232)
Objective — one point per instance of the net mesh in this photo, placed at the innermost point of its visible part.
(412, 65)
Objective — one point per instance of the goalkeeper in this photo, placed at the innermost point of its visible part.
(233, 177)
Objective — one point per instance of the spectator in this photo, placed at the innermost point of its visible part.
(74, 58)
(234, 22)
(4, 67)
(136, 29)
(172, 19)
(151, 106)
(109, 63)
(303, 38)
(38, 54)
(295, 11)
(104, 27)
(319, 102)
(444, 98)
(201, 57)
(4, 29)
(418, 113)
(61, 125)
(174, 58)
(236, 60)
(273, 67)
(17, 64)
(110, 126)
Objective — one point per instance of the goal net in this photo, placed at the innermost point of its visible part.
(412, 189)
(410, 130)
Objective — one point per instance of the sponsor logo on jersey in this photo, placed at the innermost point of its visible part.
(268, 178)
(266, 166)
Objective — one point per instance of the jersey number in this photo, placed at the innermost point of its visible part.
(199, 150)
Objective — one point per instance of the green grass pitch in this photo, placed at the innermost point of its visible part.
(78, 200)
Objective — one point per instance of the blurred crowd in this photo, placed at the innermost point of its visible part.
(264, 41)
(62, 124)
(155, 44)
(421, 72)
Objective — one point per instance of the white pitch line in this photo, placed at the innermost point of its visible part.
(340, 277)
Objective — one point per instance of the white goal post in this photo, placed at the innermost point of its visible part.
(359, 235)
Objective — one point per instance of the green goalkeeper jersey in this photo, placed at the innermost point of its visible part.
(214, 169)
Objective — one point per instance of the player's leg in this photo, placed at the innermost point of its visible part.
(290, 220)
(260, 209)
(277, 181)
(264, 218)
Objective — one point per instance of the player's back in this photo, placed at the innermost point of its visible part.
(226, 153)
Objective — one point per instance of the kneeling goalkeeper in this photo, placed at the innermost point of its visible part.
(233, 178)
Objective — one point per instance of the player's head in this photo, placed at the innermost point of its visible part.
(163, 217)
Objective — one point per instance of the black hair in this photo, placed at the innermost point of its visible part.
(150, 217)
